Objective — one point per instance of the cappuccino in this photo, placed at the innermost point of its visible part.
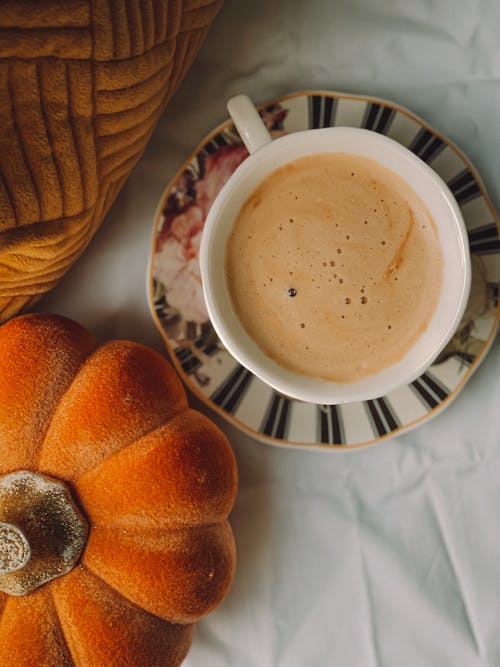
(334, 267)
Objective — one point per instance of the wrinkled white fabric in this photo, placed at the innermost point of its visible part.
(387, 556)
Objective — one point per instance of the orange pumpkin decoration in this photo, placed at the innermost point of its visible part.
(114, 498)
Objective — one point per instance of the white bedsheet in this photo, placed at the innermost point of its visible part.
(386, 556)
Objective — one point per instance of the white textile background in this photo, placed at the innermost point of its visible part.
(386, 556)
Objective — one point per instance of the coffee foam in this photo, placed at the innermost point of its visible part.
(334, 266)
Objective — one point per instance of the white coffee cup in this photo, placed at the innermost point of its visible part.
(266, 155)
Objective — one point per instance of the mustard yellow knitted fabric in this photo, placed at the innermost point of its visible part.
(82, 85)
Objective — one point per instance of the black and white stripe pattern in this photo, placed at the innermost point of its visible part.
(430, 390)
(230, 393)
(378, 118)
(426, 145)
(207, 342)
(277, 417)
(322, 111)
(484, 240)
(330, 425)
(465, 358)
(464, 187)
(382, 416)
(210, 349)
(494, 289)
(160, 303)
(187, 359)
(215, 143)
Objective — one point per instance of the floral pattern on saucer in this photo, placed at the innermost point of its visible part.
(178, 306)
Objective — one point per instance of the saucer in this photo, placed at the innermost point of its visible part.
(178, 308)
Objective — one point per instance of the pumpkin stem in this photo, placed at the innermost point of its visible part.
(15, 550)
(42, 531)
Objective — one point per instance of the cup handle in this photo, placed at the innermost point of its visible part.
(248, 122)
